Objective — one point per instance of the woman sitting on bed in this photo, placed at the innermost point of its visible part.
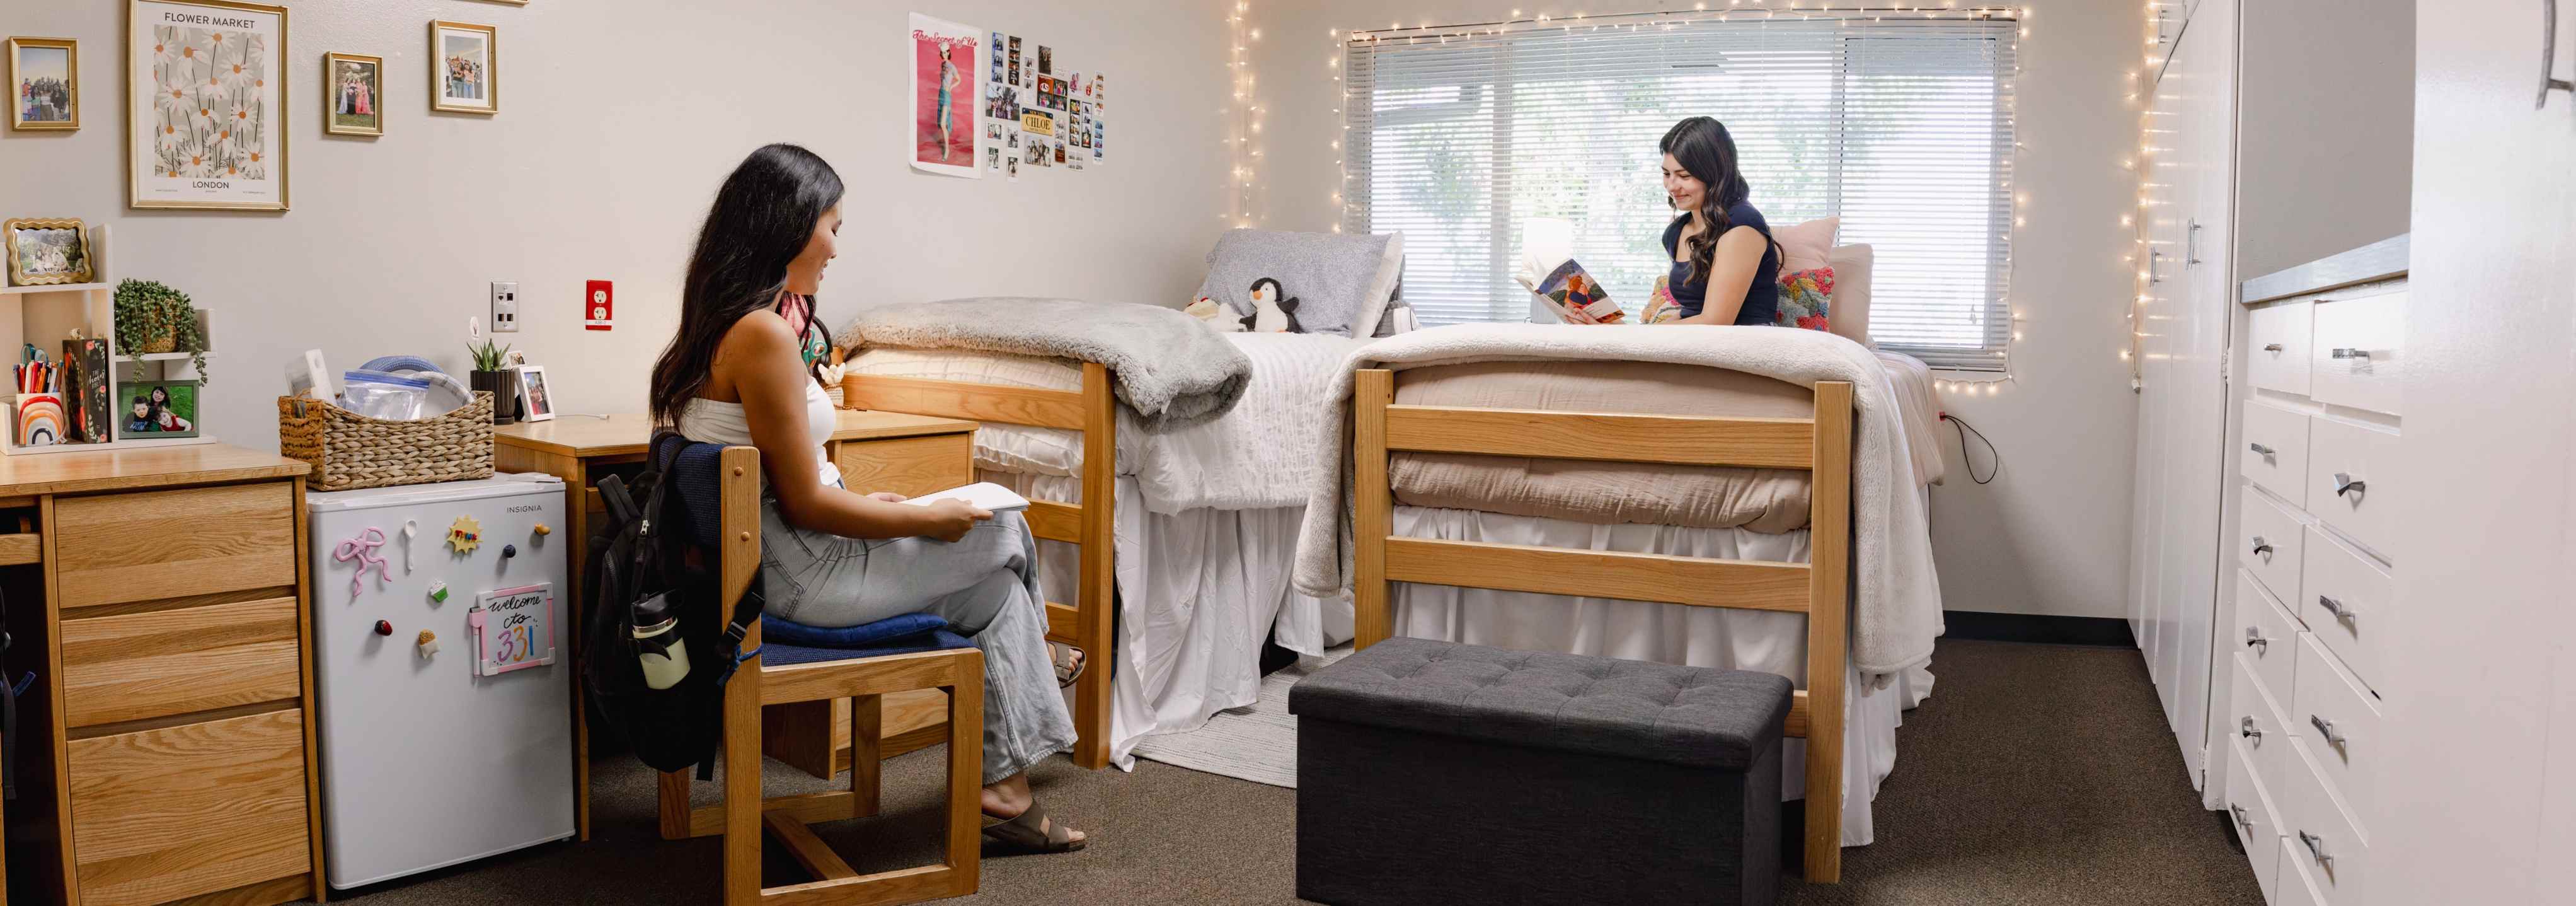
(742, 370)
(1726, 269)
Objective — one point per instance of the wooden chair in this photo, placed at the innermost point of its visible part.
(1820, 444)
(863, 678)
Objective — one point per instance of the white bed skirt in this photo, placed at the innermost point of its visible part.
(1767, 641)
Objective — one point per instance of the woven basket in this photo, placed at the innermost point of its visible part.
(350, 451)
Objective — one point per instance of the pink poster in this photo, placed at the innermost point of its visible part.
(946, 86)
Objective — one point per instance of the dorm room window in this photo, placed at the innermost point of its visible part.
(1903, 127)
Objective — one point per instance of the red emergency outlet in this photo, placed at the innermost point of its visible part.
(598, 305)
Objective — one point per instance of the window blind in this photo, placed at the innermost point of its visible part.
(1901, 126)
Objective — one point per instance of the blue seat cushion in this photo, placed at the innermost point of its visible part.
(784, 642)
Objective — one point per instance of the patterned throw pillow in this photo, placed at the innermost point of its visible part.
(1660, 306)
(1804, 297)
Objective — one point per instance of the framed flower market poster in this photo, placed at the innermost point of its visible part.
(206, 123)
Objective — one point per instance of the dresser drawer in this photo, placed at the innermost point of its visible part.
(2346, 602)
(2319, 843)
(2249, 804)
(911, 466)
(2276, 356)
(122, 548)
(2347, 456)
(2275, 454)
(2267, 636)
(181, 811)
(2355, 357)
(2338, 721)
(2255, 721)
(2267, 542)
(168, 662)
(2291, 885)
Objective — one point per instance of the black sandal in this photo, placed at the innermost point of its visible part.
(1030, 834)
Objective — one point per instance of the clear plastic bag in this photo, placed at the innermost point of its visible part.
(378, 394)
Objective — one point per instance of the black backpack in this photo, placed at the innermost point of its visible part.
(641, 556)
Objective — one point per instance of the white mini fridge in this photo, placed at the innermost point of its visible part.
(440, 753)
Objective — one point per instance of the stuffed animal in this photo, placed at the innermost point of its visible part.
(1214, 314)
(1272, 310)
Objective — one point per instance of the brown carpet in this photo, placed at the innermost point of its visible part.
(2035, 774)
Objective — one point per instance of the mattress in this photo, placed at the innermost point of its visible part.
(1770, 501)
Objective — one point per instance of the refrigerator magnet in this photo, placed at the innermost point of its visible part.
(438, 592)
(464, 534)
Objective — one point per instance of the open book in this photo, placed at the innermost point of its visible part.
(1575, 296)
(983, 494)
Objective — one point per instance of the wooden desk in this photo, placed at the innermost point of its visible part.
(169, 745)
(877, 451)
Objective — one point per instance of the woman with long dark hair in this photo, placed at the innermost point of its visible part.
(742, 369)
(1726, 269)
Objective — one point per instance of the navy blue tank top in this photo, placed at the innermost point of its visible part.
(1761, 300)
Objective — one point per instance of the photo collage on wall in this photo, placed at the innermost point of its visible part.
(1039, 115)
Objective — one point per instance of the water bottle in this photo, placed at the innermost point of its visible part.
(658, 646)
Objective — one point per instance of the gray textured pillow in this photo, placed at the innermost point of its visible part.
(1341, 282)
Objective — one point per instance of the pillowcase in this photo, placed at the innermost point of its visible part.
(1850, 319)
(1805, 299)
(1341, 283)
(1804, 247)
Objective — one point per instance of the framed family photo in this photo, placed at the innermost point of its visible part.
(353, 94)
(157, 409)
(206, 111)
(464, 63)
(44, 76)
(46, 252)
(536, 397)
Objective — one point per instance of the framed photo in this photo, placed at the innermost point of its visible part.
(44, 80)
(464, 67)
(206, 112)
(536, 398)
(152, 409)
(353, 94)
(947, 65)
(46, 252)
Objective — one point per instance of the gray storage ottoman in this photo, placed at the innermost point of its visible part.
(1429, 773)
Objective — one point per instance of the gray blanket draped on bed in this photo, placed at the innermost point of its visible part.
(1172, 370)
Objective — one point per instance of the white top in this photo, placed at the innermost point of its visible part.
(711, 422)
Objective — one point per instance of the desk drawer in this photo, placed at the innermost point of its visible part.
(2267, 636)
(122, 548)
(2355, 357)
(2319, 841)
(2360, 454)
(2255, 722)
(910, 466)
(2267, 542)
(2346, 599)
(2249, 804)
(2338, 724)
(2277, 346)
(181, 811)
(2276, 450)
(169, 662)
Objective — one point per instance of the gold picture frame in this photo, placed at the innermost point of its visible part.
(78, 267)
(218, 167)
(353, 109)
(459, 81)
(20, 105)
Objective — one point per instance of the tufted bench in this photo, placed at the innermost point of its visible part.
(1431, 772)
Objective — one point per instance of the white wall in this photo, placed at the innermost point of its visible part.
(617, 122)
(2050, 535)
(2325, 153)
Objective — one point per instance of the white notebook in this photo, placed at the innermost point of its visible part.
(984, 494)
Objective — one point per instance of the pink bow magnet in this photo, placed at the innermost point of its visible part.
(363, 550)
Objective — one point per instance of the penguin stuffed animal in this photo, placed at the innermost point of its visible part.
(1272, 310)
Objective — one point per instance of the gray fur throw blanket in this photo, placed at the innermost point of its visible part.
(1171, 369)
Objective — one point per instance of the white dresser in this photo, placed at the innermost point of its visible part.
(2318, 427)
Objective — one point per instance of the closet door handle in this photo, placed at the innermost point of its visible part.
(2326, 727)
(2316, 848)
(2259, 448)
(2549, 81)
(2155, 270)
(2242, 820)
(2337, 608)
(2261, 546)
(2245, 728)
(2191, 243)
(2271, 347)
(2345, 482)
(2254, 639)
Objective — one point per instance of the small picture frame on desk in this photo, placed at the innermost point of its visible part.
(156, 409)
(46, 252)
(536, 397)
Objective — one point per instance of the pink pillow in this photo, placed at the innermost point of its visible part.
(1803, 247)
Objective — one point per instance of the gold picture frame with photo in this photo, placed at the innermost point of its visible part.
(353, 94)
(464, 67)
(47, 252)
(44, 84)
(207, 115)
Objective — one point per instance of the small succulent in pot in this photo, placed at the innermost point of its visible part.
(152, 318)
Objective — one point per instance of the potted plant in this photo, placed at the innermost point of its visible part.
(487, 375)
(152, 319)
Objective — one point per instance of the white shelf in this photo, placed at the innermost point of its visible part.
(55, 288)
(161, 357)
(134, 444)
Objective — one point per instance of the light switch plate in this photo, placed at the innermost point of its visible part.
(505, 307)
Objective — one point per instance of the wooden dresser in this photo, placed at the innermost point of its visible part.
(166, 748)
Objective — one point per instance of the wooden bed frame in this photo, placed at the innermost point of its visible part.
(1093, 410)
(1817, 588)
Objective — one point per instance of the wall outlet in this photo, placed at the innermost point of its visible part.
(505, 307)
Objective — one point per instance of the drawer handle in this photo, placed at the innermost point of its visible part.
(2344, 352)
(2259, 448)
(2337, 608)
(2271, 347)
(2254, 639)
(2261, 546)
(2345, 482)
(2326, 727)
(2316, 847)
(2242, 819)
(2245, 728)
